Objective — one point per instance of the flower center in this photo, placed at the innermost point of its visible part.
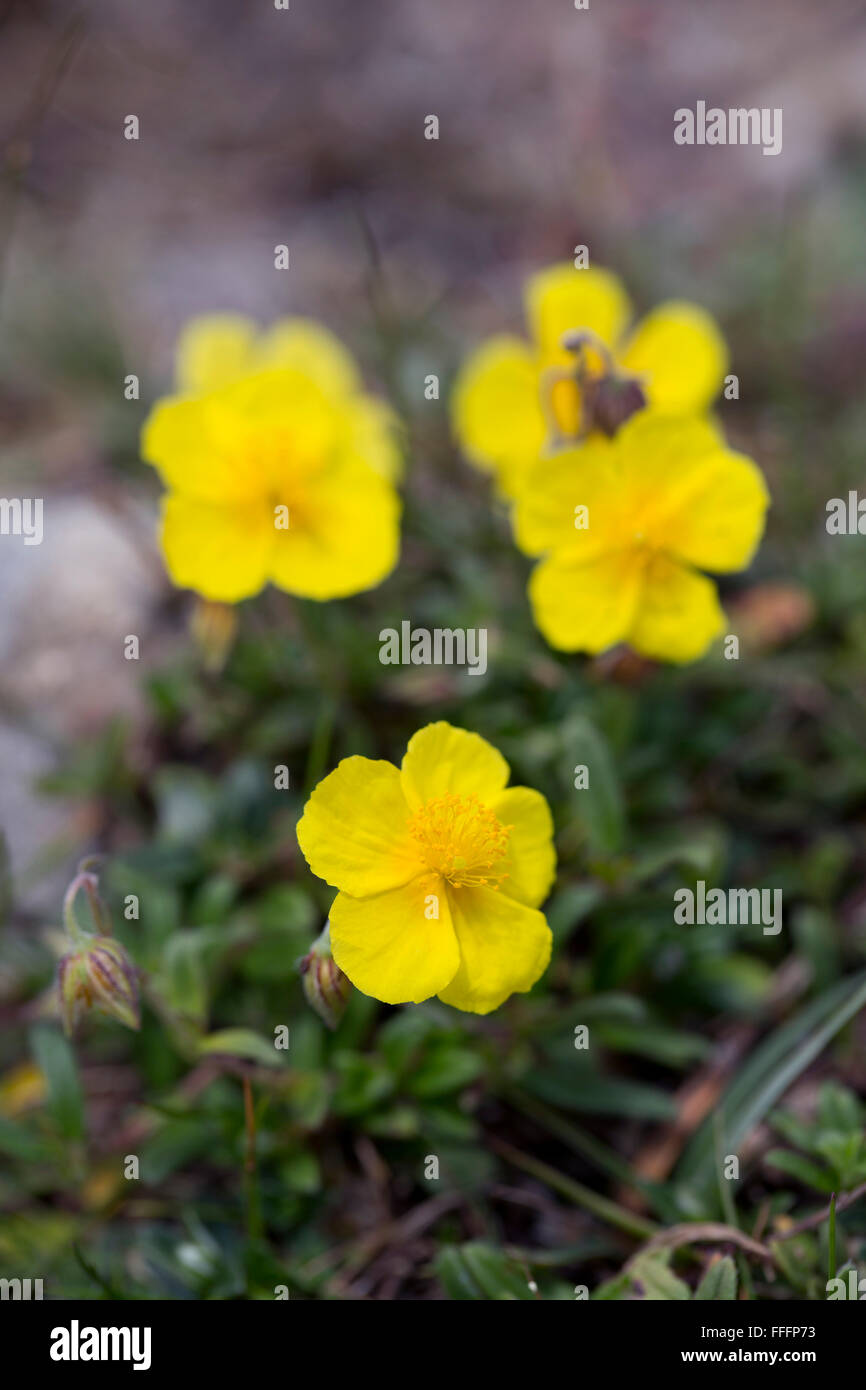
(462, 840)
(594, 394)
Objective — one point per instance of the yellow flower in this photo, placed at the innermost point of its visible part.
(626, 524)
(270, 478)
(514, 399)
(440, 869)
(218, 349)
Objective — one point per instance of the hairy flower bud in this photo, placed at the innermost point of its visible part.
(325, 986)
(99, 977)
(96, 974)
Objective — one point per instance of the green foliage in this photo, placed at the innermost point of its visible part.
(309, 1167)
(649, 1276)
(832, 1146)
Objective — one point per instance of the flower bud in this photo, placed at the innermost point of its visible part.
(214, 628)
(325, 985)
(611, 400)
(98, 977)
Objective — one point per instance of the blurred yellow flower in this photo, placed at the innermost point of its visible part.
(440, 869)
(218, 349)
(270, 478)
(21, 1088)
(625, 525)
(515, 399)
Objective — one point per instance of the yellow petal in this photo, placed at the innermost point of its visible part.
(283, 424)
(545, 510)
(679, 614)
(531, 859)
(222, 552)
(442, 759)
(214, 350)
(343, 535)
(353, 832)
(586, 607)
(197, 446)
(373, 436)
(696, 499)
(390, 947)
(495, 408)
(307, 347)
(720, 518)
(681, 354)
(562, 299)
(504, 948)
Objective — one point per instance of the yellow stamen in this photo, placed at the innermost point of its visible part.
(462, 840)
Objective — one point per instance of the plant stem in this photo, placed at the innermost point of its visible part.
(578, 1139)
(602, 1207)
(251, 1177)
(831, 1238)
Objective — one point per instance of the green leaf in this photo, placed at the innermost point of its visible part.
(571, 905)
(364, 1082)
(800, 1168)
(176, 1143)
(301, 1173)
(586, 1092)
(56, 1061)
(445, 1069)
(478, 1271)
(701, 850)
(839, 1108)
(768, 1073)
(600, 804)
(615, 1289)
(670, 1046)
(242, 1042)
(792, 1128)
(403, 1036)
(188, 962)
(654, 1280)
(18, 1142)
(186, 801)
(719, 1284)
(184, 975)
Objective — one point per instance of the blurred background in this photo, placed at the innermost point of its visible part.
(306, 127)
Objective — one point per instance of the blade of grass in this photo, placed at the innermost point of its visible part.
(774, 1065)
(602, 1207)
(580, 1141)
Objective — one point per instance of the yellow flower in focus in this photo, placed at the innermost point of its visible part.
(269, 479)
(625, 526)
(440, 869)
(515, 399)
(216, 350)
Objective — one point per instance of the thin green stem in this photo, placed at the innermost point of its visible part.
(578, 1139)
(729, 1206)
(831, 1238)
(602, 1207)
(320, 744)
